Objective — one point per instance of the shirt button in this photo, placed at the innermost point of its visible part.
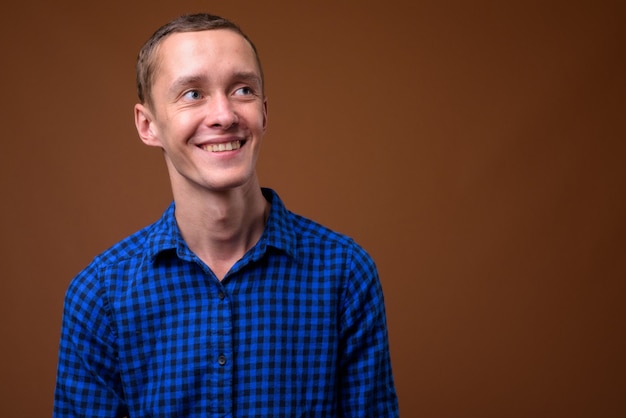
(221, 295)
(221, 359)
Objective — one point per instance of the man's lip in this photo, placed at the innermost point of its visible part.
(222, 140)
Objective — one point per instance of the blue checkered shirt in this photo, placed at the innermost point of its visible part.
(296, 328)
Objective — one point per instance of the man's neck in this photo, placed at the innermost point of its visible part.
(221, 227)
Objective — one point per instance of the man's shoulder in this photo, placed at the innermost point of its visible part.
(131, 246)
(308, 228)
(313, 236)
(131, 249)
(119, 260)
(309, 235)
(139, 244)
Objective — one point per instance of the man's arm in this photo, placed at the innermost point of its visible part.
(88, 382)
(367, 388)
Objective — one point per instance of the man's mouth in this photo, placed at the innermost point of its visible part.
(224, 146)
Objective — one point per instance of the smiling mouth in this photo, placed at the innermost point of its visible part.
(225, 146)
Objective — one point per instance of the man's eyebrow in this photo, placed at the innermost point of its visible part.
(247, 76)
(186, 81)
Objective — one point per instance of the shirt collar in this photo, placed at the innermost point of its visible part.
(278, 234)
(279, 231)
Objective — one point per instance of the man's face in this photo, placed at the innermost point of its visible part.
(209, 113)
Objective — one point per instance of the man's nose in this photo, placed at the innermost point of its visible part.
(221, 113)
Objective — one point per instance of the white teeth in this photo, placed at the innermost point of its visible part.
(228, 146)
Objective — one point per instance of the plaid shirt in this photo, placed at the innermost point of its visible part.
(296, 328)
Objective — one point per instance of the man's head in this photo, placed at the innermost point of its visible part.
(148, 60)
(202, 103)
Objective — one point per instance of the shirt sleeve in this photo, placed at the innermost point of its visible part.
(88, 380)
(367, 387)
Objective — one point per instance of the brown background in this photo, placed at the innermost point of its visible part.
(475, 149)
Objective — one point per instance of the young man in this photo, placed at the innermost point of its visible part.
(229, 305)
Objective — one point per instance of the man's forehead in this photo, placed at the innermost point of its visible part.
(197, 41)
(180, 50)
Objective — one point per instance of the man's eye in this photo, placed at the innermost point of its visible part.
(243, 91)
(193, 95)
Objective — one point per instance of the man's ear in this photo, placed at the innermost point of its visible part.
(264, 114)
(146, 128)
